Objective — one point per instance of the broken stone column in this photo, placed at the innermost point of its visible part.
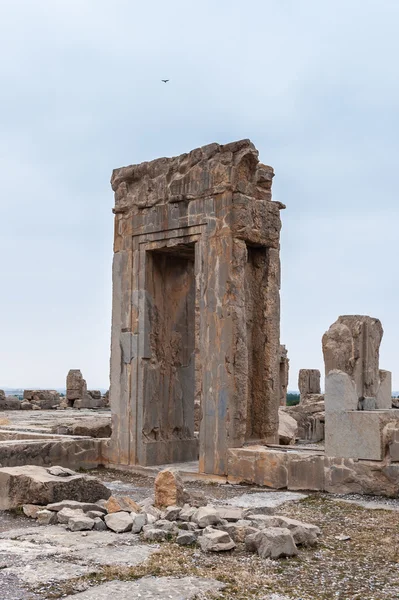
(308, 382)
(352, 345)
(76, 387)
(284, 374)
(196, 307)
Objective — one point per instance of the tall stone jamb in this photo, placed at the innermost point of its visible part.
(352, 345)
(76, 387)
(284, 374)
(308, 382)
(196, 278)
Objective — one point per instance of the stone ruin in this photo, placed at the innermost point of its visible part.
(77, 394)
(196, 307)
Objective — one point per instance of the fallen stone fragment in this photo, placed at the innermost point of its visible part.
(46, 517)
(169, 526)
(229, 514)
(172, 513)
(80, 524)
(187, 526)
(304, 534)
(239, 533)
(196, 498)
(99, 524)
(95, 513)
(31, 484)
(119, 522)
(273, 542)
(287, 428)
(186, 512)
(262, 521)
(31, 510)
(155, 535)
(216, 541)
(206, 515)
(169, 489)
(65, 514)
(186, 539)
(139, 520)
(76, 505)
(342, 537)
(121, 503)
(152, 588)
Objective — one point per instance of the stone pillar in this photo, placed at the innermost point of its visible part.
(309, 382)
(196, 278)
(352, 345)
(76, 387)
(384, 394)
(284, 374)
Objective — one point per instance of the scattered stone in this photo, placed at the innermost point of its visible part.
(139, 520)
(206, 515)
(93, 514)
(342, 537)
(229, 514)
(25, 405)
(169, 526)
(43, 399)
(169, 489)
(99, 524)
(172, 513)
(216, 541)
(273, 542)
(121, 503)
(155, 535)
(186, 539)
(10, 403)
(80, 523)
(46, 517)
(31, 510)
(36, 485)
(186, 512)
(239, 532)
(76, 505)
(65, 514)
(119, 521)
(304, 534)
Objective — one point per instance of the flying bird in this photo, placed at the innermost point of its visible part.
(165, 80)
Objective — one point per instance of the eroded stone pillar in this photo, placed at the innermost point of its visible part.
(196, 321)
(308, 382)
(284, 374)
(352, 345)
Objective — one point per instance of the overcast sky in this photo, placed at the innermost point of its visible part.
(314, 84)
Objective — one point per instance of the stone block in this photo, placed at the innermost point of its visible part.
(309, 382)
(258, 464)
(340, 393)
(305, 471)
(358, 434)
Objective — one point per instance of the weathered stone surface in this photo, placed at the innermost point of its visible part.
(25, 405)
(65, 514)
(305, 471)
(10, 403)
(81, 523)
(119, 522)
(239, 532)
(139, 520)
(195, 235)
(254, 465)
(287, 428)
(229, 514)
(155, 535)
(44, 399)
(273, 542)
(186, 512)
(121, 503)
(96, 428)
(213, 540)
(340, 394)
(46, 517)
(152, 588)
(48, 571)
(169, 489)
(31, 510)
(352, 345)
(304, 534)
(76, 387)
(99, 524)
(205, 516)
(30, 484)
(172, 513)
(76, 505)
(308, 382)
(186, 538)
(384, 393)
(310, 416)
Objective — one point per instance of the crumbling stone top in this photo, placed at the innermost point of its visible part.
(205, 171)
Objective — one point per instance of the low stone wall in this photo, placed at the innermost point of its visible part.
(312, 470)
(72, 453)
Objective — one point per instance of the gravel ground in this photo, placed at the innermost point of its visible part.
(363, 567)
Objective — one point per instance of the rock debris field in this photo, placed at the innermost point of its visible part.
(208, 541)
